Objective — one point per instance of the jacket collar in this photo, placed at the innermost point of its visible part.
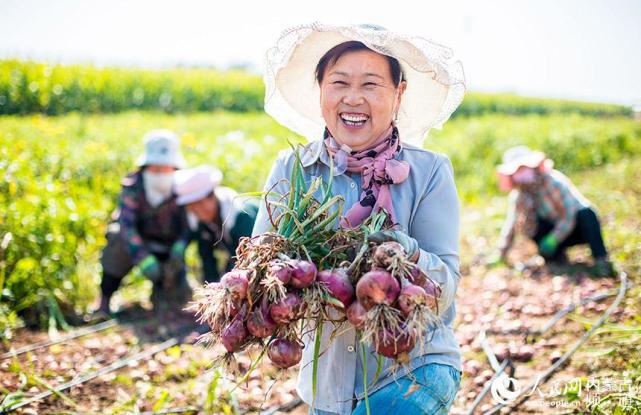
(316, 150)
(313, 152)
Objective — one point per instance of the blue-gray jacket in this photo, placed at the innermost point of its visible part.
(427, 207)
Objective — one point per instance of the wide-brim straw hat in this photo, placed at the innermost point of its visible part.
(519, 156)
(435, 80)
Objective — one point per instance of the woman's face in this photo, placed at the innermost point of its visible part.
(205, 209)
(358, 98)
(160, 168)
(524, 177)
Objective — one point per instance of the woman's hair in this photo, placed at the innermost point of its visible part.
(334, 54)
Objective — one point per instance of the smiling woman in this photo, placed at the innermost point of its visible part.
(374, 92)
(360, 92)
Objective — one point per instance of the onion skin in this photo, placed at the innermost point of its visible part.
(280, 270)
(303, 273)
(288, 309)
(338, 285)
(356, 314)
(385, 253)
(234, 308)
(284, 353)
(393, 345)
(377, 287)
(235, 333)
(259, 322)
(236, 283)
(410, 297)
(418, 277)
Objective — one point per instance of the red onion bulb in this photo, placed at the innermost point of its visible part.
(235, 283)
(303, 273)
(259, 322)
(288, 309)
(410, 297)
(338, 285)
(377, 287)
(356, 314)
(284, 353)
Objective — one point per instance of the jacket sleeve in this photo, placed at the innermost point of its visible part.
(129, 206)
(436, 229)
(185, 232)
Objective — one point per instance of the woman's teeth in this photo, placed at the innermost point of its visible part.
(354, 119)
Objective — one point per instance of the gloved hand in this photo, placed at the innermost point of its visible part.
(408, 243)
(150, 268)
(548, 245)
(177, 250)
(177, 257)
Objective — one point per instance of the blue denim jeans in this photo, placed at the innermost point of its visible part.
(437, 388)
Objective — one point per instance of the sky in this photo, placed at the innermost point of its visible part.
(575, 49)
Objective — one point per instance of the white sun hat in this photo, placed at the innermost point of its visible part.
(518, 156)
(435, 80)
(192, 185)
(162, 147)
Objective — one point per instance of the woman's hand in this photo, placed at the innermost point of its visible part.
(408, 243)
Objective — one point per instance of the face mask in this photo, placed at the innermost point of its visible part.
(524, 176)
(157, 186)
(192, 220)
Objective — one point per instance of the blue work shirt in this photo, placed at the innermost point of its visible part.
(427, 208)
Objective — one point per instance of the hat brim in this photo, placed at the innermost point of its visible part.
(192, 197)
(435, 81)
(143, 161)
(532, 160)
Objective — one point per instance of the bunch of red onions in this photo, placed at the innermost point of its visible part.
(396, 303)
(250, 307)
(392, 304)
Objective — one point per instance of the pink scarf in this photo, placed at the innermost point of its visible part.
(378, 169)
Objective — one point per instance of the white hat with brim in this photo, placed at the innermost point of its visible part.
(435, 80)
(519, 156)
(162, 148)
(192, 185)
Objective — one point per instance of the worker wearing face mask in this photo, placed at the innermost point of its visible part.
(148, 229)
(545, 206)
(218, 217)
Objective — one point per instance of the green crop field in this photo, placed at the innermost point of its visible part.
(28, 87)
(69, 134)
(61, 177)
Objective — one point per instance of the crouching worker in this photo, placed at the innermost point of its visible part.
(148, 228)
(216, 215)
(545, 206)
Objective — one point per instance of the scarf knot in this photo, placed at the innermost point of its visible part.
(378, 169)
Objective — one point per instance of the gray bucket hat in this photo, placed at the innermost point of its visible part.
(162, 147)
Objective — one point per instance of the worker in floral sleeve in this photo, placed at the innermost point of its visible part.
(217, 216)
(545, 206)
(148, 228)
